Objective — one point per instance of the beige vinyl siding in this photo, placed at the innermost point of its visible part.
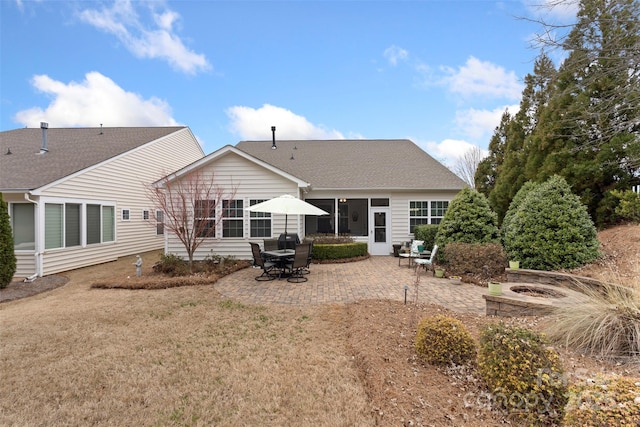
(252, 182)
(400, 211)
(26, 264)
(122, 181)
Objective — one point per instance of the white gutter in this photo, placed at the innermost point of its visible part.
(37, 253)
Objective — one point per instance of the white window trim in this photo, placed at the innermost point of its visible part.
(429, 217)
(146, 212)
(83, 220)
(128, 211)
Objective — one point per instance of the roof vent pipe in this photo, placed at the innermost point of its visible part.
(273, 130)
(44, 126)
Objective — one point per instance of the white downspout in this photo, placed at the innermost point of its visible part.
(38, 241)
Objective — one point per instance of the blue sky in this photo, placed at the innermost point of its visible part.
(437, 72)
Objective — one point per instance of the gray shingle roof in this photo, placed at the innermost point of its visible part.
(397, 164)
(70, 150)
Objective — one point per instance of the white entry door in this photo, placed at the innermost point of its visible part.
(379, 231)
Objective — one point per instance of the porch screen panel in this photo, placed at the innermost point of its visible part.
(71, 225)
(22, 221)
(52, 226)
(93, 224)
(108, 224)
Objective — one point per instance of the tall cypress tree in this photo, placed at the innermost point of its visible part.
(588, 132)
(7, 254)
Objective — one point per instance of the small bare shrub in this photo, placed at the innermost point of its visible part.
(442, 340)
(171, 265)
(607, 325)
(605, 401)
(471, 258)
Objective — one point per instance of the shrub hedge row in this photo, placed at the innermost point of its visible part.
(338, 251)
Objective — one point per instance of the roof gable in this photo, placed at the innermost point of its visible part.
(397, 164)
(224, 151)
(70, 150)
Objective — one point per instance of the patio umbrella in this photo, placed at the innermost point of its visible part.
(287, 205)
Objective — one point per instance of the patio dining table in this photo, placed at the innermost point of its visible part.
(413, 255)
(280, 256)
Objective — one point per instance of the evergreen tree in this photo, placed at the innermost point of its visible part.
(488, 169)
(551, 229)
(468, 219)
(588, 132)
(7, 254)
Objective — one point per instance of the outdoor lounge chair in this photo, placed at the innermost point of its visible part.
(426, 263)
(267, 267)
(297, 267)
(306, 269)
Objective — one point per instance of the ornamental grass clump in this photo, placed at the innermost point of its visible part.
(442, 340)
(606, 325)
(523, 374)
(604, 401)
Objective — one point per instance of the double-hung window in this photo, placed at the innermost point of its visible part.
(260, 222)
(159, 223)
(205, 218)
(232, 218)
(426, 212)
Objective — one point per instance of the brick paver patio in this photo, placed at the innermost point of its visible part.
(378, 277)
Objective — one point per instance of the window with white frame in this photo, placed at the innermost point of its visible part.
(205, 218)
(260, 222)
(63, 224)
(426, 212)
(232, 218)
(23, 226)
(438, 208)
(126, 214)
(159, 223)
(145, 214)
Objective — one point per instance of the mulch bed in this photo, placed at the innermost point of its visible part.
(21, 289)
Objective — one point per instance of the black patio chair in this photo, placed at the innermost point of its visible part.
(296, 268)
(306, 269)
(267, 267)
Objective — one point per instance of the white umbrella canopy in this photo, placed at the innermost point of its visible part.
(287, 205)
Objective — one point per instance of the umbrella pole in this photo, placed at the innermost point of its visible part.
(285, 230)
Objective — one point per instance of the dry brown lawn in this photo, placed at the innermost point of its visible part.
(186, 356)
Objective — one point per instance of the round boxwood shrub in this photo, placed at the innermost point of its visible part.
(427, 233)
(442, 340)
(523, 374)
(551, 229)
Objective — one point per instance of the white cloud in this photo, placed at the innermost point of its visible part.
(479, 124)
(482, 78)
(447, 151)
(93, 101)
(394, 54)
(255, 124)
(563, 11)
(161, 42)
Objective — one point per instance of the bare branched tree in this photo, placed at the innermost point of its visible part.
(191, 207)
(466, 165)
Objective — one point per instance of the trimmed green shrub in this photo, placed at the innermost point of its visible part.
(442, 340)
(524, 375)
(468, 219)
(515, 205)
(612, 401)
(551, 229)
(427, 233)
(7, 254)
(323, 251)
(171, 265)
(471, 258)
